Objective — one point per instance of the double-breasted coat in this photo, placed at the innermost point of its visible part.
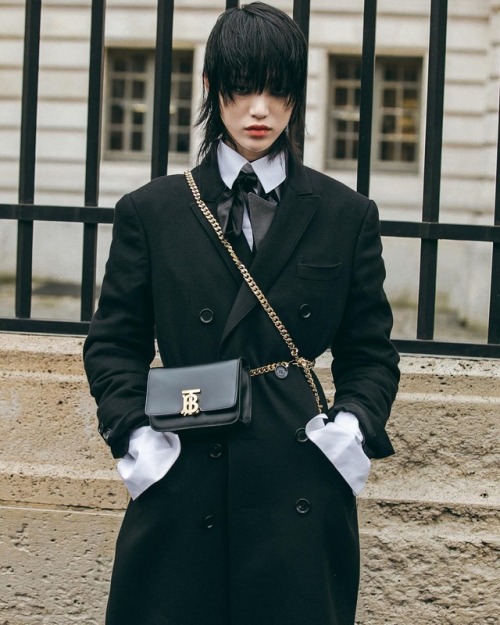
(256, 526)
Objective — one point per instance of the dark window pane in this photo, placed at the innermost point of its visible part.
(410, 74)
(138, 89)
(185, 63)
(389, 97)
(388, 124)
(116, 114)
(340, 149)
(116, 140)
(137, 141)
(342, 70)
(387, 151)
(138, 63)
(182, 143)
(118, 88)
(357, 70)
(357, 97)
(185, 90)
(119, 65)
(184, 117)
(408, 152)
(138, 118)
(341, 125)
(410, 98)
(341, 96)
(355, 127)
(391, 72)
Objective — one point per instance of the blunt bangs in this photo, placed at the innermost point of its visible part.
(257, 56)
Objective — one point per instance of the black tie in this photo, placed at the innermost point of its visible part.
(233, 201)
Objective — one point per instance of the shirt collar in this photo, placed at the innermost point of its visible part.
(270, 172)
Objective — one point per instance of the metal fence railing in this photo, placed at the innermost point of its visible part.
(429, 230)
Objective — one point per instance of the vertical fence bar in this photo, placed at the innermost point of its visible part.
(366, 101)
(302, 16)
(432, 170)
(494, 319)
(163, 74)
(27, 156)
(96, 65)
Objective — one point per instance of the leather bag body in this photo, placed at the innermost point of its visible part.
(217, 394)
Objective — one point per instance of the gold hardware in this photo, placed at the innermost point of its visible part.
(304, 364)
(271, 367)
(190, 404)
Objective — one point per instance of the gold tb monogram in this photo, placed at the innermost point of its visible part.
(190, 402)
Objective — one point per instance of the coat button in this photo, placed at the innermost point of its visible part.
(281, 372)
(301, 436)
(206, 315)
(209, 521)
(305, 311)
(216, 450)
(302, 506)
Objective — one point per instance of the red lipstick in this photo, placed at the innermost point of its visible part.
(258, 130)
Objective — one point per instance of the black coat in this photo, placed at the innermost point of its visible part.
(256, 527)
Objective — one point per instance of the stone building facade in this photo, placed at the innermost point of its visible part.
(470, 122)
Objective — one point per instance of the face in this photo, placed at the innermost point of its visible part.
(254, 121)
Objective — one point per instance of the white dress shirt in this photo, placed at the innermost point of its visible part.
(270, 172)
(151, 454)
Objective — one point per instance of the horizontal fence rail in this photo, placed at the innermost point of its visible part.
(429, 231)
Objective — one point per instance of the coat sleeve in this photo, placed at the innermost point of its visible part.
(120, 344)
(365, 363)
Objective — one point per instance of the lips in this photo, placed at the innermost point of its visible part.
(258, 130)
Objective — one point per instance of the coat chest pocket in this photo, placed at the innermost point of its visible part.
(316, 271)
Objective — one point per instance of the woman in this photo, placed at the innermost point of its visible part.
(255, 526)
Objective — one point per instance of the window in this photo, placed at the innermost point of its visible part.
(129, 103)
(396, 113)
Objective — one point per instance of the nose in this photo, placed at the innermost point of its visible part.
(259, 106)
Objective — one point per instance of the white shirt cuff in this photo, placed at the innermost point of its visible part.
(149, 458)
(341, 442)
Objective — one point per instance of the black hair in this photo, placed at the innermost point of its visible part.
(251, 49)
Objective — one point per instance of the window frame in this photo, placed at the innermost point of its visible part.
(378, 164)
(144, 155)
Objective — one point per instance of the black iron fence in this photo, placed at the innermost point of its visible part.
(429, 230)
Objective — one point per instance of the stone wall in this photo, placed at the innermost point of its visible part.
(430, 520)
(470, 127)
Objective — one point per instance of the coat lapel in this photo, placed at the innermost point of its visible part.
(211, 187)
(293, 215)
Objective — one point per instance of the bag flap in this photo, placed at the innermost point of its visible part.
(216, 386)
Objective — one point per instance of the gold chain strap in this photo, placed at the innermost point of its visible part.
(305, 365)
(270, 367)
